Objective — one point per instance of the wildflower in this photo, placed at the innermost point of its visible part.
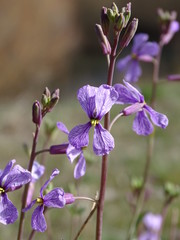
(11, 179)
(141, 125)
(96, 102)
(142, 50)
(55, 199)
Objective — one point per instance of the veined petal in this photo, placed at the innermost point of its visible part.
(8, 212)
(17, 177)
(135, 93)
(54, 173)
(133, 71)
(62, 127)
(105, 97)
(37, 171)
(29, 206)
(79, 135)
(6, 170)
(138, 40)
(149, 48)
(123, 63)
(142, 125)
(86, 97)
(72, 153)
(125, 95)
(55, 198)
(80, 167)
(38, 221)
(157, 118)
(103, 141)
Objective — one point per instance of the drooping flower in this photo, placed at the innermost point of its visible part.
(141, 125)
(142, 50)
(11, 179)
(96, 102)
(54, 199)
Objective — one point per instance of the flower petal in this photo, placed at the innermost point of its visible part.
(6, 170)
(123, 63)
(29, 206)
(105, 97)
(125, 95)
(149, 48)
(138, 40)
(157, 118)
(72, 153)
(8, 212)
(17, 177)
(54, 173)
(62, 127)
(55, 198)
(103, 141)
(141, 124)
(38, 221)
(80, 167)
(37, 171)
(133, 71)
(79, 135)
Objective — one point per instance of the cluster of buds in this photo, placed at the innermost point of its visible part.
(48, 101)
(119, 21)
(171, 191)
(169, 25)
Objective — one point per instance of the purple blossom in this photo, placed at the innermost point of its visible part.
(73, 153)
(96, 102)
(11, 179)
(55, 199)
(172, 29)
(141, 125)
(142, 50)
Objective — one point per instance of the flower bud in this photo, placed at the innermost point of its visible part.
(58, 149)
(105, 23)
(104, 43)
(174, 77)
(127, 13)
(129, 33)
(119, 22)
(172, 190)
(36, 113)
(54, 99)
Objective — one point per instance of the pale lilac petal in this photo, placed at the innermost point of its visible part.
(30, 192)
(149, 48)
(29, 206)
(138, 41)
(158, 119)
(135, 93)
(103, 141)
(79, 135)
(54, 173)
(105, 97)
(86, 97)
(123, 63)
(153, 222)
(62, 127)
(17, 177)
(72, 153)
(133, 71)
(38, 221)
(6, 170)
(173, 28)
(37, 171)
(142, 125)
(148, 236)
(80, 167)
(8, 212)
(55, 198)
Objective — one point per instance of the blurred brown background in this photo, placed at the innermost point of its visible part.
(53, 42)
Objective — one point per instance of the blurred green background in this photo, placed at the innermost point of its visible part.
(53, 43)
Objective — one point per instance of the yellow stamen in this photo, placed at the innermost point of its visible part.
(94, 122)
(39, 200)
(2, 190)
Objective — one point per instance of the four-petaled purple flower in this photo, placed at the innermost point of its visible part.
(96, 102)
(141, 125)
(142, 50)
(11, 178)
(55, 199)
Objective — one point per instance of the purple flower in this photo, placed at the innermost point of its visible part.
(142, 50)
(141, 125)
(73, 153)
(55, 199)
(172, 29)
(96, 102)
(148, 236)
(11, 178)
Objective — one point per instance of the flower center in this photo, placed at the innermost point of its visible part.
(133, 56)
(2, 190)
(94, 122)
(39, 200)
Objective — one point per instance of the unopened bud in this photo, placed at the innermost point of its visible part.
(172, 190)
(129, 33)
(115, 9)
(36, 113)
(47, 92)
(54, 99)
(58, 149)
(105, 23)
(119, 23)
(104, 43)
(127, 13)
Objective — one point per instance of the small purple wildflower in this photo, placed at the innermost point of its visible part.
(55, 199)
(141, 125)
(11, 179)
(73, 153)
(96, 102)
(142, 50)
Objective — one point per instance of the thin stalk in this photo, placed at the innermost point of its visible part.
(104, 166)
(26, 188)
(115, 119)
(41, 151)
